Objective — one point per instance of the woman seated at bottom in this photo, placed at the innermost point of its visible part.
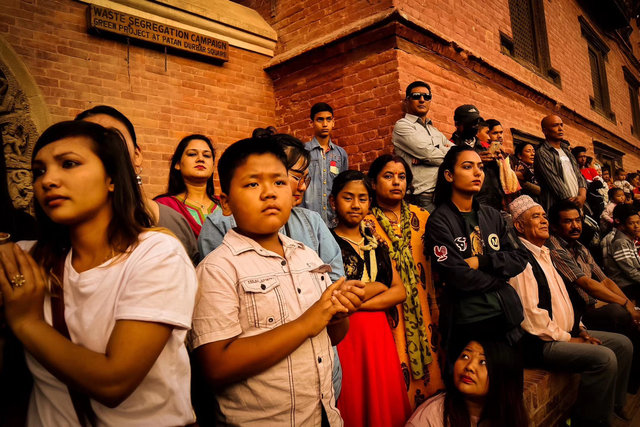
(484, 389)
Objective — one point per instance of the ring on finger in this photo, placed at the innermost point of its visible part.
(17, 280)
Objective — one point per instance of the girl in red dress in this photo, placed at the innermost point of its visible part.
(373, 389)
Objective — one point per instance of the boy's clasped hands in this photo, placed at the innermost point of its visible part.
(338, 301)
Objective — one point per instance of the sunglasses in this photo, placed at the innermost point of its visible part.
(416, 96)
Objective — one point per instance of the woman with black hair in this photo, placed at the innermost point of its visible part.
(473, 254)
(103, 328)
(399, 227)
(523, 165)
(484, 388)
(191, 191)
(161, 215)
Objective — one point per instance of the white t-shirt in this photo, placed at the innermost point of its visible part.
(155, 283)
(431, 413)
(570, 179)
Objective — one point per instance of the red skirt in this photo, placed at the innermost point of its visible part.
(373, 389)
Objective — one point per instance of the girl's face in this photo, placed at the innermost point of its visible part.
(70, 182)
(528, 154)
(468, 173)
(391, 183)
(635, 181)
(196, 161)
(298, 180)
(619, 197)
(352, 203)
(470, 375)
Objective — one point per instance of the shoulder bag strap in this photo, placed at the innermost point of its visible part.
(81, 404)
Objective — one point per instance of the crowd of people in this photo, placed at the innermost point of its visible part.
(302, 292)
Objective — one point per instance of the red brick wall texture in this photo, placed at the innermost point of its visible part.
(332, 52)
(75, 70)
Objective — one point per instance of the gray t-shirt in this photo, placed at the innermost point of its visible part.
(178, 225)
(570, 178)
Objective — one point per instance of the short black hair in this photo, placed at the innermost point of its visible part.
(519, 147)
(415, 84)
(623, 212)
(111, 112)
(346, 177)
(561, 206)
(578, 150)
(319, 108)
(491, 123)
(483, 124)
(613, 191)
(237, 154)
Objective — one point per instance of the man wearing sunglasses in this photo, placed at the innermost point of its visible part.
(418, 142)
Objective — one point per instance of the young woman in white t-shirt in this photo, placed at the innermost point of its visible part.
(119, 296)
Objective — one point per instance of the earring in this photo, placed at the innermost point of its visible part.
(138, 177)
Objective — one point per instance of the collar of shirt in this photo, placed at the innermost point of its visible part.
(413, 118)
(538, 252)
(313, 144)
(239, 244)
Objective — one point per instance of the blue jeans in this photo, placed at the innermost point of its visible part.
(604, 373)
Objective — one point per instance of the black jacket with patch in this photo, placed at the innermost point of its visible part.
(447, 244)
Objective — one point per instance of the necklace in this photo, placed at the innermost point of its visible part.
(397, 218)
(184, 200)
(353, 242)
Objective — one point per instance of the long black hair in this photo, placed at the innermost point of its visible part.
(444, 188)
(176, 181)
(379, 164)
(503, 404)
(130, 216)
(111, 112)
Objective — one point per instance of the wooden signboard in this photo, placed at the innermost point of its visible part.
(124, 24)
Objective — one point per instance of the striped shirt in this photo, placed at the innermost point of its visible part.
(573, 261)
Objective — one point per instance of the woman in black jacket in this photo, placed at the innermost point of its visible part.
(473, 255)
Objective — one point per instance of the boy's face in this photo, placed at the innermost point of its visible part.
(632, 226)
(259, 196)
(621, 176)
(322, 124)
(483, 134)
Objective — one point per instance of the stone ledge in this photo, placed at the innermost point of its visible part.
(549, 396)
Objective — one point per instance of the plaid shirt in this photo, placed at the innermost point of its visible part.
(573, 260)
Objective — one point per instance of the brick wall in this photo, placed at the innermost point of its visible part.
(75, 70)
(300, 22)
(361, 85)
(459, 51)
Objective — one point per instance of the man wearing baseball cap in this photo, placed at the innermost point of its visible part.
(466, 118)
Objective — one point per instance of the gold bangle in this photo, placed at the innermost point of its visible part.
(4, 238)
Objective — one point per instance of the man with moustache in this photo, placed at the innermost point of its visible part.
(420, 144)
(578, 269)
(555, 338)
(555, 167)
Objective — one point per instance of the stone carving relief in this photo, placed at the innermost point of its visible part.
(19, 133)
